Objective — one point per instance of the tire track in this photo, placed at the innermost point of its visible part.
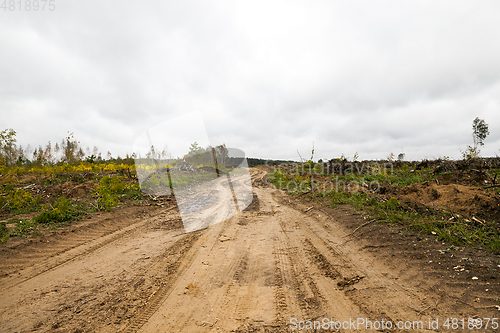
(68, 255)
(320, 261)
(318, 270)
(181, 251)
(374, 288)
(306, 292)
(284, 280)
(189, 280)
(236, 269)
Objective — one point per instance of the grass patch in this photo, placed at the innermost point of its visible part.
(4, 232)
(293, 184)
(23, 228)
(443, 225)
(439, 223)
(18, 201)
(52, 216)
(300, 179)
(61, 211)
(60, 178)
(111, 189)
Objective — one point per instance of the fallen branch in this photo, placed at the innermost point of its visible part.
(477, 220)
(8, 202)
(27, 187)
(309, 191)
(364, 224)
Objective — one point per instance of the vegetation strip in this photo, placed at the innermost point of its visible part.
(442, 198)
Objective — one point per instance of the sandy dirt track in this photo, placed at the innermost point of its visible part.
(281, 258)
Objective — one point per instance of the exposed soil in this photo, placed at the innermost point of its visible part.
(136, 270)
(449, 192)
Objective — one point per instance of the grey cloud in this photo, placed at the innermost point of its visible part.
(269, 78)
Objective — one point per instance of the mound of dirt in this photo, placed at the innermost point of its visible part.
(465, 200)
(79, 191)
(472, 177)
(70, 189)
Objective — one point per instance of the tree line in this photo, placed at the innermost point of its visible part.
(68, 151)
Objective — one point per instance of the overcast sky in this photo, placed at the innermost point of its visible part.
(267, 77)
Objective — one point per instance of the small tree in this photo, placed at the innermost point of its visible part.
(39, 156)
(222, 154)
(195, 149)
(195, 154)
(71, 149)
(479, 132)
(49, 154)
(8, 149)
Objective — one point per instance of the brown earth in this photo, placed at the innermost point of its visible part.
(452, 193)
(466, 200)
(136, 270)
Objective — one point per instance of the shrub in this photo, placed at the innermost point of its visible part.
(4, 232)
(111, 188)
(18, 200)
(392, 204)
(62, 211)
(23, 227)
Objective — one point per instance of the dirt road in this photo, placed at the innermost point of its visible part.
(270, 268)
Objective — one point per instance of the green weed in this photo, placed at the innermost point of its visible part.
(18, 201)
(62, 211)
(4, 232)
(23, 227)
(111, 189)
(438, 223)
